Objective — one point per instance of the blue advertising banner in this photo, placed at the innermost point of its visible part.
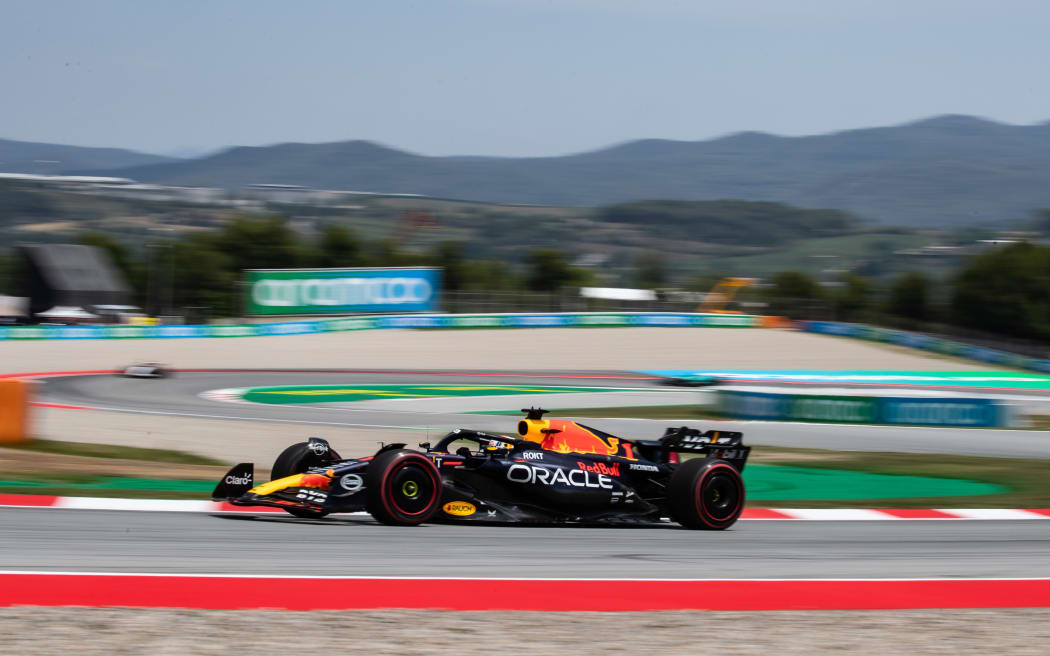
(856, 409)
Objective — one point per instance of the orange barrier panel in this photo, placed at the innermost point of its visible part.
(14, 410)
(775, 322)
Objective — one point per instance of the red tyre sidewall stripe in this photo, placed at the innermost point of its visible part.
(698, 494)
(401, 464)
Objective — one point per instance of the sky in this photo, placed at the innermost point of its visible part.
(506, 77)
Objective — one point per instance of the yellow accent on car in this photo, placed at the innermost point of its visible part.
(532, 429)
(459, 508)
(277, 485)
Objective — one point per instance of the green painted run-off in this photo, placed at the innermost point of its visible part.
(372, 392)
(779, 483)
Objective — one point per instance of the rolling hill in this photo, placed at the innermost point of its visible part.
(31, 157)
(943, 171)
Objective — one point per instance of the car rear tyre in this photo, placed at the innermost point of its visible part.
(403, 488)
(706, 494)
(296, 459)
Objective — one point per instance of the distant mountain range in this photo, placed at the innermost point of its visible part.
(52, 159)
(948, 170)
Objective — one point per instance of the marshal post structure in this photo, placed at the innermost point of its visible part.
(341, 291)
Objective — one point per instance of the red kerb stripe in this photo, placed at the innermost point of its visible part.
(63, 406)
(763, 513)
(27, 500)
(566, 595)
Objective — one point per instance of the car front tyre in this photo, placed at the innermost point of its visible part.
(403, 488)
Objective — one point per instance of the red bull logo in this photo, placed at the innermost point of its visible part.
(570, 437)
(612, 469)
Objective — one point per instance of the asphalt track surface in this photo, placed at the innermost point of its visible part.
(82, 540)
(268, 544)
(180, 396)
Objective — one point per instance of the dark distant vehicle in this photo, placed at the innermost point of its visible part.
(553, 471)
(146, 370)
(692, 381)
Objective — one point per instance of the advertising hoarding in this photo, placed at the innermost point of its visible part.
(341, 291)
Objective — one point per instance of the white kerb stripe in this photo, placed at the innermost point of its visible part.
(100, 503)
(833, 514)
(992, 513)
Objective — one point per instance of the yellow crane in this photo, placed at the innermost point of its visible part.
(723, 292)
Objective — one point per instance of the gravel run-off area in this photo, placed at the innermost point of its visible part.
(600, 349)
(33, 631)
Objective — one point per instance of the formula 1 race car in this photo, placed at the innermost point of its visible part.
(553, 471)
(145, 370)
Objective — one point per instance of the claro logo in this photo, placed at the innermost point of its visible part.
(341, 291)
(551, 477)
(239, 480)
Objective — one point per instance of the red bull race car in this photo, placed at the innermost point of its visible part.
(552, 471)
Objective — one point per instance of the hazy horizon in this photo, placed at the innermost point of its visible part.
(507, 78)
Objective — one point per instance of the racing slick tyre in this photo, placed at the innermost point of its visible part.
(403, 488)
(296, 459)
(706, 494)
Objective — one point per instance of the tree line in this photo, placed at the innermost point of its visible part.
(201, 270)
(1004, 291)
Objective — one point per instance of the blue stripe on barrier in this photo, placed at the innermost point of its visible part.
(401, 321)
(911, 411)
(926, 343)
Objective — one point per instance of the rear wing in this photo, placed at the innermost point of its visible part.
(724, 445)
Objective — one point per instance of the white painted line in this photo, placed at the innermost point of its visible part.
(7, 572)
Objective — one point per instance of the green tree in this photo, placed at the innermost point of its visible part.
(7, 274)
(549, 271)
(449, 256)
(490, 275)
(853, 298)
(253, 242)
(204, 276)
(793, 294)
(910, 297)
(338, 247)
(651, 271)
(1005, 291)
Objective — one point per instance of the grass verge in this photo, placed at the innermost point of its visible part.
(111, 451)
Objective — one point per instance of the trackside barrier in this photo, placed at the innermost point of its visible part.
(925, 343)
(907, 411)
(414, 321)
(14, 410)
